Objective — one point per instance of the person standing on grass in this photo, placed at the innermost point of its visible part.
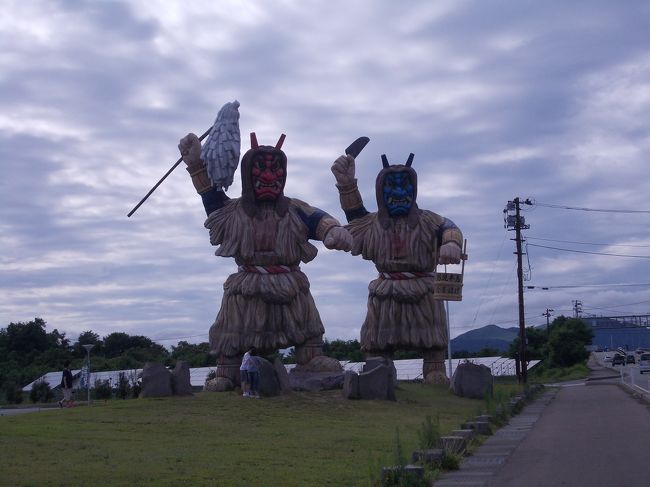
(243, 373)
(252, 372)
(66, 386)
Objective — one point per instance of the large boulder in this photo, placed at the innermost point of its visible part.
(181, 384)
(218, 384)
(320, 374)
(315, 381)
(321, 363)
(376, 381)
(156, 380)
(269, 384)
(472, 380)
(372, 362)
(351, 385)
(282, 376)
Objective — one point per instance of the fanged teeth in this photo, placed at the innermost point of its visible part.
(259, 184)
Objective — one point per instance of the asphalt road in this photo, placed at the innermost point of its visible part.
(594, 435)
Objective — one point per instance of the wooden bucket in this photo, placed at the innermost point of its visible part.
(449, 285)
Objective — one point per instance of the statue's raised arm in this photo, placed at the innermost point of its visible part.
(344, 169)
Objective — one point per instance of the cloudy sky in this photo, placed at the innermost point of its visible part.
(542, 100)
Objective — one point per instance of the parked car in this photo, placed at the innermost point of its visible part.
(644, 363)
(608, 358)
(618, 359)
(630, 359)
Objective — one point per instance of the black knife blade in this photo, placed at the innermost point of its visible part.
(355, 148)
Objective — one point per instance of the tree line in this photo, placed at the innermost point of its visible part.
(562, 345)
(28, 350)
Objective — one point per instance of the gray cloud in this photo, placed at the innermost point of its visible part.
(543, 100)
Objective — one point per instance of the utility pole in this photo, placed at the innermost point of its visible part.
(577, 308)
(547, 314)
(517, 223)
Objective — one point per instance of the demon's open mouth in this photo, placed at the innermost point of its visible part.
(403, 201)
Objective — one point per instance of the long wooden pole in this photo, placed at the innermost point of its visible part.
(163, 178)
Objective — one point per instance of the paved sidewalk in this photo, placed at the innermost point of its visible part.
(488, 459)
(587, 433)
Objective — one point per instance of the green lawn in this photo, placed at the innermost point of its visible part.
(300, 439)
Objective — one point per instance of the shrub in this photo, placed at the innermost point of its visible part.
(41, 392)
(398, 476)
(102, 389)
(429, 433)
(123, 386)
(450, 461)
(13, 393)
(136, 388)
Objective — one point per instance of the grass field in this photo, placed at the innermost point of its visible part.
(299, 439)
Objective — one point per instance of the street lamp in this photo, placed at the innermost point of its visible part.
(88, 347)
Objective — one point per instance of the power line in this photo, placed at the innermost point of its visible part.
(588, 243)
(565, 207)
(176, 338)
(622, 305)
(587, 252)
(572, 286)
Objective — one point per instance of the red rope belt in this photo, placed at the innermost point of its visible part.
(268, 269)
(405, 275)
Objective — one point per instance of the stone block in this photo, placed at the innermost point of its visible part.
(181, 384)
(483, 417)
(471, 380)
(156, 380)
(466, 433)
(480, 427)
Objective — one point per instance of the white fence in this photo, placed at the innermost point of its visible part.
(631, 377)
(406, 370)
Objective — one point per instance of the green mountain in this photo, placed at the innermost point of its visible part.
(488, 336)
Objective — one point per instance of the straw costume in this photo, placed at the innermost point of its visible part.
(405, 243)
(267, 303)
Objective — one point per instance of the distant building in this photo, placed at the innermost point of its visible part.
(612, 332)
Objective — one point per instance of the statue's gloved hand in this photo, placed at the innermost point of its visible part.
(190, 147)
(449, 253)
(338, 238)
(343, 170)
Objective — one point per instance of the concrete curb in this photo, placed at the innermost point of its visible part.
(636, 391)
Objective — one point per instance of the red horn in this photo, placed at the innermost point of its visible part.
(254, 144)
(278, 146)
